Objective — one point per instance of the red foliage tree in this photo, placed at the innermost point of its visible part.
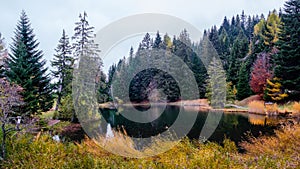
(260, 73)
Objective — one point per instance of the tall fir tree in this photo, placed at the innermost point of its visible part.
(157, 41)
(26, 68)
(84, 44)
(224, 48)
(243, 88)
(238, 52)
(216, 86)
(63, 63)
(89, 65)
(288, 59)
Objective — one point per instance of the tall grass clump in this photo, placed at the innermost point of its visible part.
(256, 107)
(271, 108)
(296, 108)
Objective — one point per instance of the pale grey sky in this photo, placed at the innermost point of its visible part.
(48, 18)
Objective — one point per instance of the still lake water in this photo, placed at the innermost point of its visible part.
(235, 126)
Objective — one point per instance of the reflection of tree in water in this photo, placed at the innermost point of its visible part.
(232, 125)
(143, 130)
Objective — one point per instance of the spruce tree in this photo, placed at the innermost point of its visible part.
(238, 52)
(26, 68)
(288, 59)
(224, 47)
(216, 86)
(226, 24)
(157, 41)
(89, 65)
(63, 68)
(214, 39)
(243, 88)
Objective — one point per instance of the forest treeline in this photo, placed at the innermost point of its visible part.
(258, 55)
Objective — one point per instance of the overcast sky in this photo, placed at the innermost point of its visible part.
(48, 18)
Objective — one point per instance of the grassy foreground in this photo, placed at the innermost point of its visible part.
(281, 151)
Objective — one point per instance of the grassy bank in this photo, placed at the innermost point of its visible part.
(281, 151)
(288, 109)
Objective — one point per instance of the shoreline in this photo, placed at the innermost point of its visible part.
(199, 105)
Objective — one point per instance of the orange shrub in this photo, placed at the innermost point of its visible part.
(256, 107)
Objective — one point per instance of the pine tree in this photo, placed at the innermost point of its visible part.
(63, 63)
(226, 24)
(146, 42)
(89, 66)
(84, 44)
(288, 59)
(239, 51)
(243, 88)
(216, 89)
(249, 27)
(157, 41)
(214, 39)
(243, 20)
(224, 48)
(26, 68)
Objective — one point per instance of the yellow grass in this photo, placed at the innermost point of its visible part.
(124, 145)
(257, 107)
(296, 107)
(271, 108)
(280, 151)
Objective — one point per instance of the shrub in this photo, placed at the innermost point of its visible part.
(66, 109)
(55, 115)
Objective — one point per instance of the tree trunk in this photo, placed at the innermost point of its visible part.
(59, 97)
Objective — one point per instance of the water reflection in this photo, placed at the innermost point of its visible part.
(232, 125)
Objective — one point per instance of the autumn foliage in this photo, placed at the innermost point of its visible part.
(260, 73)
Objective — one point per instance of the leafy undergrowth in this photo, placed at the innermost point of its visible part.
(282, 151)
